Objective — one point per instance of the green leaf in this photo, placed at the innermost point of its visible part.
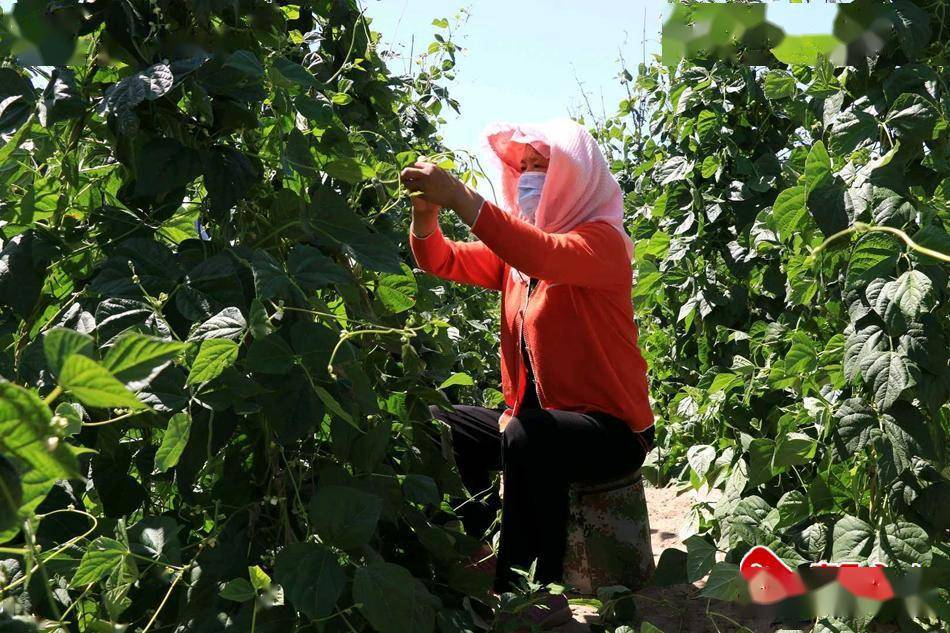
(907, 430)
(817, 168)
(708, 124)
(392, 601)
(163, 165)
(880, 296)
(857, 425)
(301, 155)
(724, 382)
(673, 170)
(123, 97)
(912, 117)
(934, 238)
(25, 433)
(779, 84)
(11, 495)
(318, 113)
(349, 170)
(902, 544)
(295, 73)
(72, 412)
(229, 323)
(343, 516)
(710, 166)
(173, 442)
(725, 583)
(701, 458)
(792, 507)
(852, 130)
(313, 270)
(375, 252)
(790, 213)
(670, 569)
(259, 578)
(421, 489)
(330, 214)
(874, 255)
(7, 149)
(61, 342)
(246, 63)
(459, 378)
(229, 176)
(802, 357)
(158, 537)
(803, 50)
(760, 450)
(792, 449)
(700, 557)
(861, 348)
(238, 590)
(214, 356)
(270, 355)
(139, 357)
(909, 292)
(888, 374)
(331, 403)
(313, 343)
(341, 99)
(258, 320)
(912, 26)
(892, 209)
(397, 292)
(103, 556)
(24, 259)
(813, 541)
(94, 385)
(312, 578)
(270, 279)
(749, 519)
(851, 540)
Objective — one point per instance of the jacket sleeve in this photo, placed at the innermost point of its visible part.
(465, 262)
(592, 254)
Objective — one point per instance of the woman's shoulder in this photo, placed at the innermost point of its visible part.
(604, 234)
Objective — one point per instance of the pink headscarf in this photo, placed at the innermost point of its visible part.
(579, 186)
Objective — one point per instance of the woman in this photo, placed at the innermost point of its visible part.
(572, 375)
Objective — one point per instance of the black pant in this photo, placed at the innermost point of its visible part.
(542, 451)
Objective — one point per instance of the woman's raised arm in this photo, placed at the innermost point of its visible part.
(464, 262)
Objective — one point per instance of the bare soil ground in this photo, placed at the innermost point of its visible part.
(677, 609)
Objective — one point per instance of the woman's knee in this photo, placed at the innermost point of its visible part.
(525, 434)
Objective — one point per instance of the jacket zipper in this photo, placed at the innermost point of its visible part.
(521, 343)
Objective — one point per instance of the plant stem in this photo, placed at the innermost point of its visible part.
(55, 393)
(55, 552)
(111, 420)
(861, 227)
(161, 605)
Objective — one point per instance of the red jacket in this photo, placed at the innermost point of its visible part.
(578, 323)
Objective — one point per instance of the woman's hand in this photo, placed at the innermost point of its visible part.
(441, 188)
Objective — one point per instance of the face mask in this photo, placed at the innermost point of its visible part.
(529, 193)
